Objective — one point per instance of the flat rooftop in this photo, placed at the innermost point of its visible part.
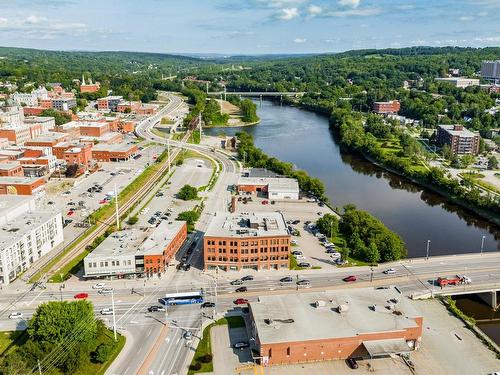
(137, 242)
(115, 147)
(15, 180)
(274, 183)
(293, 317)
(260, 172)
(8, 166)
(9, 202)
(255, 224)
(25, 223)
(462, 133)
(49, 137)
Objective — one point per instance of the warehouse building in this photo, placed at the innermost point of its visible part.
(275, 188)
(320, 326)
(26, 234)
(235, 241)
(135, 252)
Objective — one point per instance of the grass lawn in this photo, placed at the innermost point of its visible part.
(10, 340)
(178, 136)
(205, 346)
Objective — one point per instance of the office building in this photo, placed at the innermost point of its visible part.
(235, 241)
(490, 70)
(319, 326)
(459, 82)
(273, 187)
(392, 106)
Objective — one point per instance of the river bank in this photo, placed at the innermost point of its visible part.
(417, 214)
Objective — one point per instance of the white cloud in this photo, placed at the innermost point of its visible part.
(350, 3)
(465, 18)
(288, 13)
(299, 40)
(314, 10)
(281, 3)
(482, 14)
(36, 27)
(362, 12)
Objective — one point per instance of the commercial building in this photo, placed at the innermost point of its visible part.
(17, 134)
(26, 234)
(491, 70)
(109, 103)
(235, 241)
(11, 169)
(63, 104)
(461, 140)
(320, 326)
(22, 186)
(392, 106)
(134, 252)
(92, 128)
(275, 188)
(459, 82)
(11, 115)
(114, 152)
(49, 139)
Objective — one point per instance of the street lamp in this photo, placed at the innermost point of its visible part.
(371, 274)
(428, 246)
(114, 315)
(482, 244)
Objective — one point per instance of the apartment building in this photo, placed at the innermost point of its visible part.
(461, 140)
(12, 116)
(17, 134)
(235, 241)
(109, 103)
(26, 234)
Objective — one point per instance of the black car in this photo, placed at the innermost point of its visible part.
(247, 278)
(241, 345)
(241, 289)
(287, 279)
(184, 258)
(304, 265)
(303, 282)
(295, 222)
(205, 305)
(152, 221)
(236, 282)
(184, 267)
(351, 362)
(155, 308)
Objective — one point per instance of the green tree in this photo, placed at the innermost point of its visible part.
(328, 225)
(447, 152)
(248, 111)
(103, 352)
(188, 193)
(59, 117)
(492, 162)
(190, 217)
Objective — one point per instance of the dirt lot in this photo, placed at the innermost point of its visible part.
(301, 210)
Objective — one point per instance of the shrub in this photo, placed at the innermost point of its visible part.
(207, 358)
(132, 220)
(195, 366)
(103, 352)
(188, 193)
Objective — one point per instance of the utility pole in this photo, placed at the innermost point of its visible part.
(116, 208)
(168, 155)
(482, 244)
(39, 367)
(427, 252)
(114, 314)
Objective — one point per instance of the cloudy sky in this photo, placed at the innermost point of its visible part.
(247, 26)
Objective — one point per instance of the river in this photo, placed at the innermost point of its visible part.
(416, 214)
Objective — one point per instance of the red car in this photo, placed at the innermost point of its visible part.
(241, 301)
(81, 295)
(103, 201)
(70, 213)
(349, 278)
(265, 202)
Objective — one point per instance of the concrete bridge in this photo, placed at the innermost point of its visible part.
(256, 94)
(489, 294)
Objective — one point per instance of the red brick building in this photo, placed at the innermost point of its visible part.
(114, 152)
(235, 241)
(461, 140)
(336, 325)
(21, 185)
(16, 134)
(392, 106)
(11, 169)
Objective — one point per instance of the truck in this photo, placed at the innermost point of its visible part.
(457, 280)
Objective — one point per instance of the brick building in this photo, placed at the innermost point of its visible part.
(114, 152)
(235, 241)
(392, 106)
(461, 140)
(16, 134)
(49, 139)
(272, 187)
(109, 103)
(320, 326)
(21, 186)
(89, 87)
(92, 128)
(11, 169)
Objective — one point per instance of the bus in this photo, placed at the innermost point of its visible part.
(185, 298)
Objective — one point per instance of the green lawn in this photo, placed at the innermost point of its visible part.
(205, 346)
(11, 339)
(178, 136)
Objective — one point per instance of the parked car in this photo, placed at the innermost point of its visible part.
(236, 282)
(300, 257)
(295, 222)
(351, 362)
(70, 213)
(241, 345)
(103, 201)
(265, 202)
(297, 252)
(184, 266)
(303, 282)
(349, 278)
(241, 289)
(16, 315)
(390, 271)
(188, 335)
(294, 242)
(155, 308)
(98, 286)
(304, 264)
(287, 279)
(107, 311)
(241, 301)
(81, 296)
(247, 278)
(205, 305)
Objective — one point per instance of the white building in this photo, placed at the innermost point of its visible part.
(11, 115)
(277, 188)
(460, 82)
(26, 234)
(22, 98)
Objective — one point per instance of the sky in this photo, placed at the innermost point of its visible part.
(247, 26)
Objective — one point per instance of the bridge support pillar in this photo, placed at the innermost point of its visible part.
(260, 99)
(281, 99)
(490, 298)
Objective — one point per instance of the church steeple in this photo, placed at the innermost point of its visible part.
(83, 80)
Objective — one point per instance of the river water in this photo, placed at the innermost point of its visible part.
(416, 214)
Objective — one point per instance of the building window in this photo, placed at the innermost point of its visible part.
(288, 351)
(270, 353)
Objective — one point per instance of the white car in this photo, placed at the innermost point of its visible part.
(98, 286)
(294, 242)
(106, 290)
(390, 271)
(107, 311)
(328, 244)
(16, 315)
(300, 257)
(319, 235)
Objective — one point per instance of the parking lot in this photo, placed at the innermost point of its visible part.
(313, 251)
(226, 357)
